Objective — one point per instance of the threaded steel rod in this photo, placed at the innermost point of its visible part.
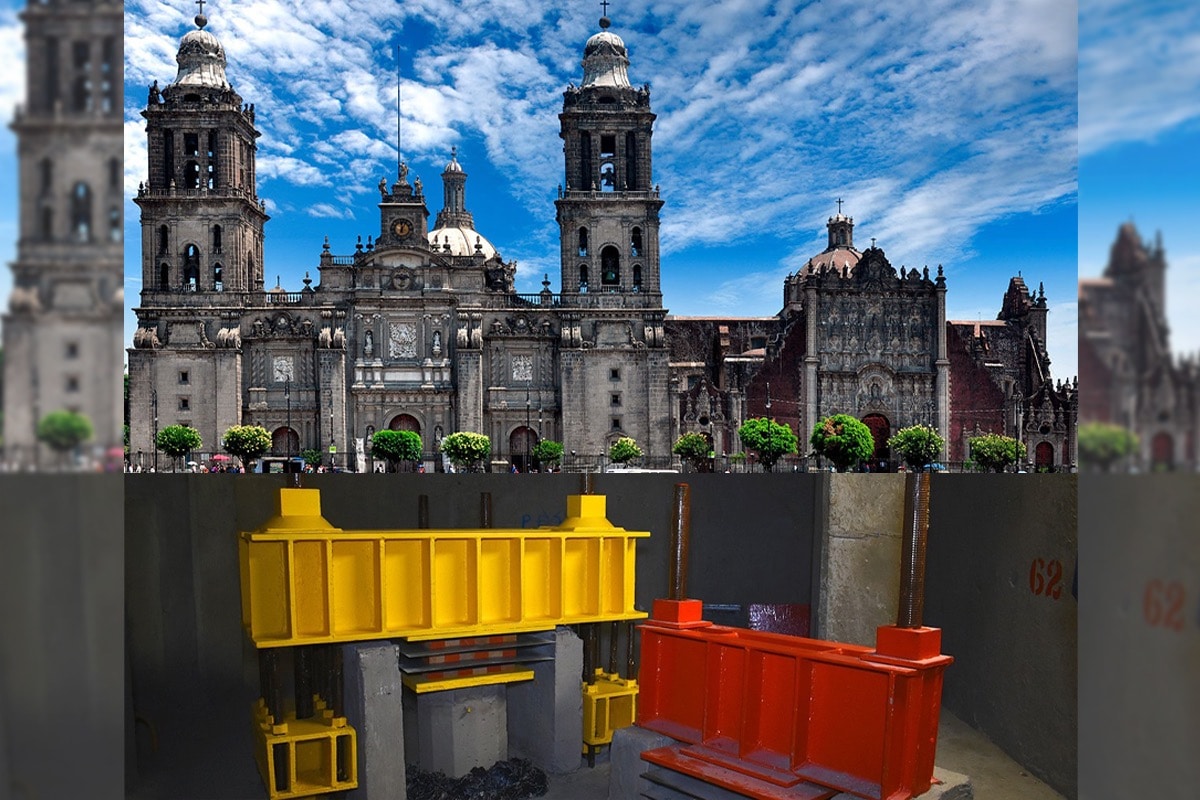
(681, 533)
(912, 554)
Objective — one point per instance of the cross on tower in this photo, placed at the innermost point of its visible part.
(201, 4)
(839, 202)
(604, 5)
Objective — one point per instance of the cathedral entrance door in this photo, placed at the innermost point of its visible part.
(520, 448)
(1162, 452)
(285, 442)
(1043, 456)
(881, 431)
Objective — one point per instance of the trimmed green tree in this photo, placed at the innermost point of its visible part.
(548, 453)
(842, 439)
(995, 452)
(624, 450)
(396, 447)
(312, 457)
(1102, 444)
(247, 442)
(695, 449)
(769, 439)
(466, 449)
(63, 431)
(177, 441)
(918, 445)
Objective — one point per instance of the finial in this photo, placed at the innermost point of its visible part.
(604, 20)
(872, 241)
(200, 19)
(453, 152)
(277, 286)
(839, 202)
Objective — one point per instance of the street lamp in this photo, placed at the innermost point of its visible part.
(332, 443)
(287, 394)
(527, 453)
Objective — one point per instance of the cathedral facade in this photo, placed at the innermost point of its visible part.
(62, 327)
(421, 329)
(1131, 377)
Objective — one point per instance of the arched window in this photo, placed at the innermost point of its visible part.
(114, 224)
(583, 278)
(191, 267)
(81, 86)
(583, 242)
(635, 243)
(841, 237)
(218, 277)
(1043, 456)
(81, 212)
(608, 177)
(107, 94)
(637, 277)
(191, 175)
(164, 276)
(47, 221)
(610, 267)
(216, 237)
(163, 235)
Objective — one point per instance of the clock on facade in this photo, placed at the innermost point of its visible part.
(402, 228)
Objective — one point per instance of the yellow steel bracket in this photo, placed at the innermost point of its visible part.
(608, 704)
(305, 581)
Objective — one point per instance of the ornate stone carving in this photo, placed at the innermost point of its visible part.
(402, 340)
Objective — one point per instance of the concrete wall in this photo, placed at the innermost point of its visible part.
(61, 657)
(1001, 558)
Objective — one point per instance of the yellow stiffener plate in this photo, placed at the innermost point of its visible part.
(306, 582)
(423, 683)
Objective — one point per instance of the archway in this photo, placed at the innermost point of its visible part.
(881, 431)
(520, 448)
(285, 442)
(405, 422)
(1043, 456)
(1162, 452)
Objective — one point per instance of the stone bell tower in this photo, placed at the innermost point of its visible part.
(613, 359)
(62, 328)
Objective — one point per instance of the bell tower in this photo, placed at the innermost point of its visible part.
(202, 221)
(613, 361)
(62, 326)
(608, 211)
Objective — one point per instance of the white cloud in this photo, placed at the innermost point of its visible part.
(331, 211)
(12, 78)
(1139, 70)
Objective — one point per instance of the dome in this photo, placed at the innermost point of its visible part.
(605, 60)
(839, 258)
(462, 241)
(453, 166)
(201, 60)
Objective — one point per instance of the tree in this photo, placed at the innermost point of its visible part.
(918, 445)
(624, 450)
(247, 442)
(397, 446)
(465, 449)
(769, 439)
(1102, 444)
(178, 440)
(63, 431)
(695, 449)
(842, 439)
(547, 453)
(312, 457)
(995, 452)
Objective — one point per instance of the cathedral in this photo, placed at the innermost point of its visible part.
(62, 327)
(421, 328)
(1131, 377)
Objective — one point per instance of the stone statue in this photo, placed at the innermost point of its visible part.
(155, 95)
(368, 344)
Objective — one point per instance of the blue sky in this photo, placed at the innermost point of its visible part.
(1139, 136)
(948, 130)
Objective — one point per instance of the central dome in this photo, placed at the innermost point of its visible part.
(461, 240)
